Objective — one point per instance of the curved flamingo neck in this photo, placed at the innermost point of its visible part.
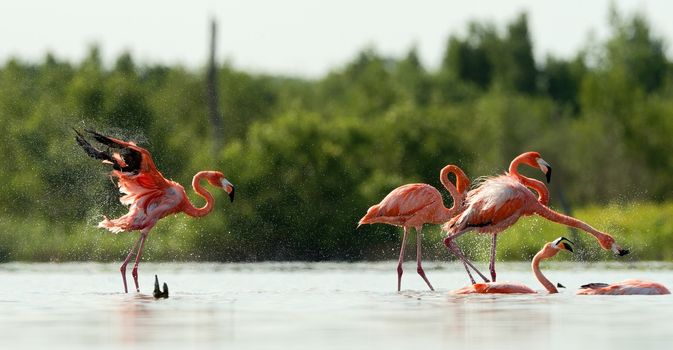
(537, 186)
(457, 191)
(543, 254)
(606, 241)
(189, 208)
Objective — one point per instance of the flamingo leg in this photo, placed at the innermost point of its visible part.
(491, 265)
(122, 269)
(401, 259)
(143, 236)
(453, 247)
(419, 267)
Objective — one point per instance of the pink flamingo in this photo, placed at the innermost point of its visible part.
(548, 251)
(499, 201)
(149, 195)
(628, 287)
(413, 205)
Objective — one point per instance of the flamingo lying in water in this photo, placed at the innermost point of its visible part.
(628, 287)
(548, 251)
(499, 201)
(149, 195)
(413, 205)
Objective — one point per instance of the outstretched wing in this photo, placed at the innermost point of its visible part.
(132, 164)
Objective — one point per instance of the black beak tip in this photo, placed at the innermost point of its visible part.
(548, 174)
(231, 195)
(559, 285)
(623, 252)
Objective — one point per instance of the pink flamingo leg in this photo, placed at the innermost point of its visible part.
(122, 269)
(399, 262)
(143, 236)
(419, 268)
(491, 265)
(453, 247)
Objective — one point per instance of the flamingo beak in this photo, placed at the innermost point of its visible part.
(563, 243)
(618, 250)
(229, 187)
(545, 167)
(566, 246)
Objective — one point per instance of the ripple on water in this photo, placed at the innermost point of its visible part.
(323, 306)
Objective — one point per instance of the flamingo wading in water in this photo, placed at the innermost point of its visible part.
(148, 194)
(499, 201)
(548, 251)
(413, 205)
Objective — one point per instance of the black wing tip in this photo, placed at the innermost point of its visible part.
(594, 285)
(90, 150)
(106, 140)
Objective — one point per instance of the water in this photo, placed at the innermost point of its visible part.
(323, 306)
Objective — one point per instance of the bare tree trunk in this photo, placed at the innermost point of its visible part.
(211, 86)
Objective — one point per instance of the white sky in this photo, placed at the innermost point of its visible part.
(294, 37)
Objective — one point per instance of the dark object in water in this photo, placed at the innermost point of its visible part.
(559, 285)
(157, 292)
(595, 285)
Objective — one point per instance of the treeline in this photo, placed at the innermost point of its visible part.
(309, 156)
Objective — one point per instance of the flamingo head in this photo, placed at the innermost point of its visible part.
(562, 243)
(607, 242)
(217, 179)
(534, 160)
(552, 248)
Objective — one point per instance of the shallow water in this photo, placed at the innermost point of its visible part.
(323, 306)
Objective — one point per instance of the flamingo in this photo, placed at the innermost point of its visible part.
(148, 194)
(627, 287)
(499, 201)
(548, 251)
(413, 205)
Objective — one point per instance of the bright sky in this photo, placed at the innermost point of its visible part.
(295, 37)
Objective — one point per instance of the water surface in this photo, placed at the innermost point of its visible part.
(323, 306)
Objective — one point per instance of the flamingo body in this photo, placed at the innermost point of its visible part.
(548, 251)
(499, 201)
(495, 288)
(408, 205)
(495, 205)
(149, 195)
(147, 202)
(414, 205)
(627, 287)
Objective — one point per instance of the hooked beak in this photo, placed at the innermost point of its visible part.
(545, 167)
(229, 187)
(566, 246)
(564, 243)
(618, 250)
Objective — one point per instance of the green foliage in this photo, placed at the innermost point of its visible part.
(310, 156)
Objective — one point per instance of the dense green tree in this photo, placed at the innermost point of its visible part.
(309, 156)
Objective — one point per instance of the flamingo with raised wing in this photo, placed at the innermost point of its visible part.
(499, 201)
(413, 205)
(148, 194)
(548, 251)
